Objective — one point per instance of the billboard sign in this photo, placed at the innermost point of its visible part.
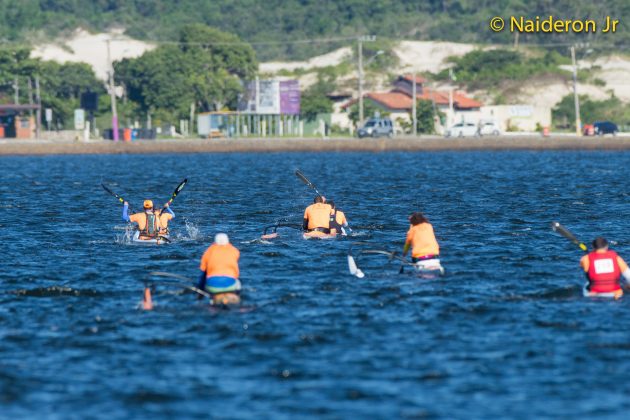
(290, 97)
(271, 97)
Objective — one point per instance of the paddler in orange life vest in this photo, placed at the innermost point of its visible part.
(219, 271)
(151, 223)
(421, 240)
(337, 220)
(317, 217)
(604, 269)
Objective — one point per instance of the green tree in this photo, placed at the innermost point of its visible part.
(61, 84)
(425, 116)
(207, 68)
(611, 109)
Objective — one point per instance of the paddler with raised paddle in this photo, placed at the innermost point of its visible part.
(603, 268)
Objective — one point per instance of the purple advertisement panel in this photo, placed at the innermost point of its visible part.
(290, 97)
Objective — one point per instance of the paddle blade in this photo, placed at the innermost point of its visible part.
(113, 193)
(305, 180)
(300, 175)
(147, 301)
(180, 187)
(557, 227)
(354, 270)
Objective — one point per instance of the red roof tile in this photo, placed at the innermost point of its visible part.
(391, 100)
(440, 98)
(463, 101)
(409, 78)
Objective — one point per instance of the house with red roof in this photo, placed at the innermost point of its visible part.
(398, 101)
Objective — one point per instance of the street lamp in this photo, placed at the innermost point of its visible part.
(379, 52)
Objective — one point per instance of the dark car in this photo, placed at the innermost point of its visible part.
(605, 127)
(376, 127)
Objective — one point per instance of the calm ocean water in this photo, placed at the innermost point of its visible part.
(504, 334)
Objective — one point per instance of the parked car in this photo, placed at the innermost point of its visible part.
(463, 129)
(377, 127)
(488, 128)
(605, 127)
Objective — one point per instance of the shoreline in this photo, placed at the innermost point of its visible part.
(12, 147)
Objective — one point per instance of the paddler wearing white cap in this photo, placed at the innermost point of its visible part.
(219, 271)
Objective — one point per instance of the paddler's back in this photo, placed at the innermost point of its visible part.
(422, 239)
(220, 260)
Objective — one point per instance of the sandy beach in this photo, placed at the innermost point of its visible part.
(257, 145)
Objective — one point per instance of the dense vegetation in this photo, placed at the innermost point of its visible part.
(203, 70)
(611, 109)
(274, 23)
(61, 84)
(488, 69)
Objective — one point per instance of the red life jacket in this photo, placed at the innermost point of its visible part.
(603, 272)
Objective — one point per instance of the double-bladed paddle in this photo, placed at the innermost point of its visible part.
(305, 180)
(557, 227)
(122, 200)
(177, 191)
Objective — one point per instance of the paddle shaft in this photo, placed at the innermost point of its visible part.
(122, 200)
(177, 191)
(557, 227)
(304, 179)
(183, 282)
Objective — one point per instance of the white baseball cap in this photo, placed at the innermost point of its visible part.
(221, 239)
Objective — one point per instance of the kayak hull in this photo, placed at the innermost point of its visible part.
(318, 235)
(429, 268)
(157, 241)
(617, 294)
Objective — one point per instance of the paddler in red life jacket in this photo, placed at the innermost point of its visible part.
(219, 271)
(337, 219)
(151, 223)
(317, 217)
(421, 240)
(604, 269)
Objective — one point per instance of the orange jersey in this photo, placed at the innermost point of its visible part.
(220, 260)
(422, 240)
(341, 218)
(161, 222)
(318, 215)
(164, 219)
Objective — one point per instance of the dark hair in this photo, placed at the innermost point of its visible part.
(318, 199)
(332, 203)
(418, 218)
(600, 243)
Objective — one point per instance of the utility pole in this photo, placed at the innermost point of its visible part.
(30, 96)
(16, 89)
(112, 92)
(413, 105)
(38, 113)
(361, 40)
(360, 81)
(191, 125)
(578, 122)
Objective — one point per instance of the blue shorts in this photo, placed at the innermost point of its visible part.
(222, 284)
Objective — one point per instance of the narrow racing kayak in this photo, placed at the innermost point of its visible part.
(160, 240)
(617, 294)
(429, 269)
(318, 235)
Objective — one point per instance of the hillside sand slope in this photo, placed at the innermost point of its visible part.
(89, 48)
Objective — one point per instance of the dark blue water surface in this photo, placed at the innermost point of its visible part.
(505, 333)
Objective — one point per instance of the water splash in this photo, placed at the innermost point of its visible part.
(125, 238)
(192, 231)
